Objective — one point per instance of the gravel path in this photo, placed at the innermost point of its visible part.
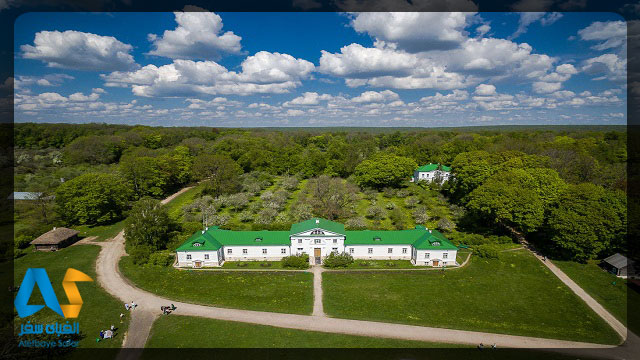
(317, 291)
(149, 304)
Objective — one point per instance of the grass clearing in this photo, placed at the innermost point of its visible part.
(252, 265)
(616, 298)
(174, 207)
(177, 332)
(285, 292)
(381, 264)
(514, 295)
(102, 232)
(99, 310)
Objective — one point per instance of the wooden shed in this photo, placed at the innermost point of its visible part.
(55, 239)
(618, 265)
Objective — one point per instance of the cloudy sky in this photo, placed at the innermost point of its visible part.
(320, 69)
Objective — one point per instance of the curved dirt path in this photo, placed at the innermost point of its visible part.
(110, 278)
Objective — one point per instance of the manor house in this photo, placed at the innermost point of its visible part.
(316, 237)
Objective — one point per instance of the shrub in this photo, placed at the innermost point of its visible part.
(245, 216)
(266, 216)
(487, 252)
(296, 261)
(22, 241)
(420, 215)
(357, 223)
(403, 193)
(388, 192)
(390, 206)
(370, 194)
(162, 258)
(140, 254)
(335, 260)
(290, 183)
(375, 212)
(445, 224)
(411, 202)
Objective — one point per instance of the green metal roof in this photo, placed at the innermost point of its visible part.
(206, 241)
(214, 238)
(317, 223)
(432, 167)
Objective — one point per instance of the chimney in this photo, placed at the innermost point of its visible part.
(429, 231)
(203, 231)
(207, 228)
(317, 221)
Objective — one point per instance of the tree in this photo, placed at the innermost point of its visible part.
(384, 170)
(145, 174)
(331, 198)
(148, 225)
(221, 174)
(92, 198)
(586, 221)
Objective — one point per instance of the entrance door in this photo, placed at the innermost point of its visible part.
(435, 262)
(317, 254)
(197, 263)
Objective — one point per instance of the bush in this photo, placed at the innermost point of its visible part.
(375, 212)
(388, 192)
(445, 224)
(22, 241)
(296, 261)
(420, 215)
(140, 254)
(335, 260)
(486, 251)
(162, 258)
(358, 223)
(245, 216)
(411, 202)
(403, 193)
(390, 206)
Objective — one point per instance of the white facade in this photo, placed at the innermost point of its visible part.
(255, 253)
(380, 252)
(435, 258)
(206, 258)
(318, 243)
(430, 176)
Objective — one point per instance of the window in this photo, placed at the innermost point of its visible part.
(264, 251)
(299, 241)
(317, 241)
(188, 256)
(317, 232)
(370, 251)
(445, 255)
(404, 250)
(335, 241)
(283, 251)
(335, 250)
(206, 256)
(426, 255)
(244, 251)
(229, 251)
(197, 244)
(300, 249)
(351, 250)
(390, 250)
(435, 243)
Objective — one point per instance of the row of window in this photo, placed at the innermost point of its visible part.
(351, 251)
(317, 241)
(370, 250)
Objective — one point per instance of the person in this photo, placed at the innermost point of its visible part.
(112, 327)
(126, 306)
(544, 258)
(493, 346)
(101, 334)
(121, 316)
(133, 305)
(480, 346)
(173, 307)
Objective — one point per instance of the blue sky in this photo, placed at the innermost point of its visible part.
(320, 69)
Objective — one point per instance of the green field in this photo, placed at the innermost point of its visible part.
(175, 206)
(286, 292)
(616, 298)
(102, 232)
(382, 264)
(253, 265)
(514, 295)
(99, 310)
(177, 332)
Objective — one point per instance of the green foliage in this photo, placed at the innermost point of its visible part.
(162, 258)
(585, 221)
(22, 241)
(296, 261)
(486, 251)
(384, 170)
(335, 260)
(140, 254)
(148, 224)
(398, 219)
(92, 198)
(221, 173)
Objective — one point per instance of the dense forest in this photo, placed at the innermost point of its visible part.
(564, 189)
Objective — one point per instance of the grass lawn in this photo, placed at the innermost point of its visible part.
(285, 292)
(461, 255)
(599, 284)
(103, 232)
(174, 207)
(514, 295)
(381, 264)
(99, 310)
(253, 265)
(177, 332)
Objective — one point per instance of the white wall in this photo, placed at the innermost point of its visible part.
(306, 244)
(198, 255)
(450, 259)
(274, 252)
(380, 252)
(430, 175)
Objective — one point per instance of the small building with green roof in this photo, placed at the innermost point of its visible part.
(432, 172)
(318, 238)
